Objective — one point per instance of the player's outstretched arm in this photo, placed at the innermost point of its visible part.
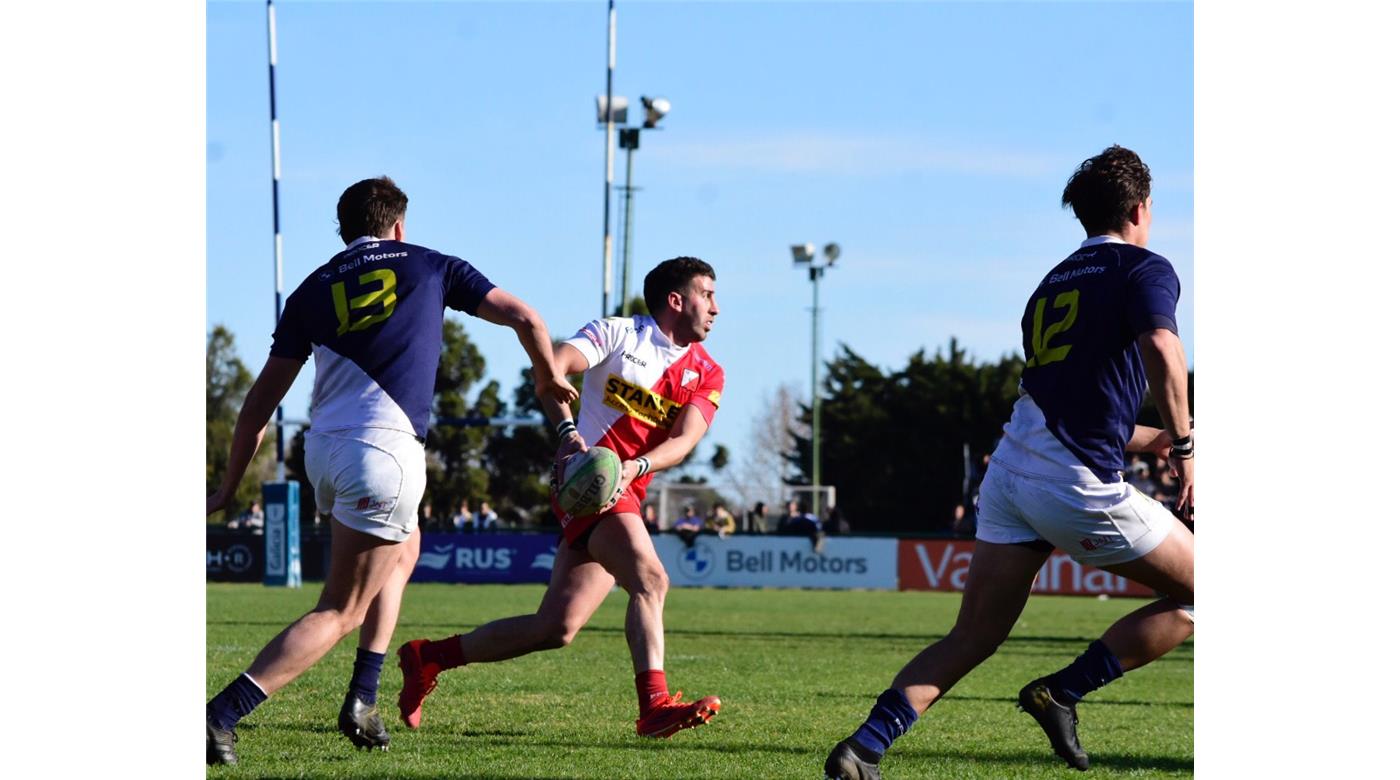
(501, 308)
(262, 400)
(689, 428)
(1164, 358)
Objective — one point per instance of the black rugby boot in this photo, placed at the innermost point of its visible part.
(1056, 720)
(218, 745)
(361, 723)
(849, 761)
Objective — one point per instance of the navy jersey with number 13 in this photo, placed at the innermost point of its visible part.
(1083, 368)
(372, 315)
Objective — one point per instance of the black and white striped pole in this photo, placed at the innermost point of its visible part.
(276, 218)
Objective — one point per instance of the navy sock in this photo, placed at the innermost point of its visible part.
(1097, 667)
(365, 681)
(890, 717)
(234, 701)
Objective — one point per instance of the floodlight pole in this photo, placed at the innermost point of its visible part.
(276, 219)
(608, 165)
(629, 138)
(815, 273)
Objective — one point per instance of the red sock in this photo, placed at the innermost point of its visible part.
(446, 653)
(650, 685)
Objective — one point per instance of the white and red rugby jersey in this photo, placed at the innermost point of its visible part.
(636, 383)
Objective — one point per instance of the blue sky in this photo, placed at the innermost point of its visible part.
(931, 140)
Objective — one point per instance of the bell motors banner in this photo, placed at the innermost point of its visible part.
(943, 565)
(778, 562)
(483, 558)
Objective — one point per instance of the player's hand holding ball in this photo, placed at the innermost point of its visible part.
(590, 482)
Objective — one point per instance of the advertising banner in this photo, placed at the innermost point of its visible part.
(779, 562)
(935, 564)
(483, 558)
(233, 558)
(282, 533)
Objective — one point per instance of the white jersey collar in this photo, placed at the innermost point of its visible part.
(1104, 239)
(365, 240)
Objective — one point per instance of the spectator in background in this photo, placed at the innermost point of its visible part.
(720, 521)
(650, 520)
(485, 519)
(426, 521)
(802, 523)
(758, 519)
(836, 524)
(688, 526)
(1140, 476)
(251, 521)
(462, 521)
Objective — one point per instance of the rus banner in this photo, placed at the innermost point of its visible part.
(943, 565)
(481, 558)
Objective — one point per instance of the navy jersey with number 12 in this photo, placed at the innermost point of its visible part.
(372, 316)
(1084, 379)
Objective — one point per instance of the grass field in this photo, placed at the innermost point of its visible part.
(796, 670)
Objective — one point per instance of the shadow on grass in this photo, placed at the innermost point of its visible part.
(1009, 701)
(1012, 646)
(1028, 758)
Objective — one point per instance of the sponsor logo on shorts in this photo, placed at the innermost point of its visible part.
(639, 403)
(368, 503)
(1091, 543)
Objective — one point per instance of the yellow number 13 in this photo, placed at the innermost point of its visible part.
(1040, 340)
(383, 296)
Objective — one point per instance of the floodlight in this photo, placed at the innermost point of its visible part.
(656, 108)
(832, 251)
(619, 109)
(803, 253)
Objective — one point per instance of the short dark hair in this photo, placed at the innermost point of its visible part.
(672, 276)
(1106, 188)
(370, 208)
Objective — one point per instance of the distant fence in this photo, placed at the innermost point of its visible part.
(741, 561)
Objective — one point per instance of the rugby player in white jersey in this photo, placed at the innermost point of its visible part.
(372, 316)
(650, 391)
(1100, 327)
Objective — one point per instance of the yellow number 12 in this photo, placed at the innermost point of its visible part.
(1040, 341)
(384, 296)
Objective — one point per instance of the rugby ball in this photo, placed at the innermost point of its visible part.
(590, 479)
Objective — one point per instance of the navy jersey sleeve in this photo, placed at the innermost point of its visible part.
(464, 287)
(1153, 290)
(292, 339)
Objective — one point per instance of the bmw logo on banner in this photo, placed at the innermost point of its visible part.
(696, 562)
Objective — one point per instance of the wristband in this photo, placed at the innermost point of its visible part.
(643, 465)
(1184, 447)
(565, 428)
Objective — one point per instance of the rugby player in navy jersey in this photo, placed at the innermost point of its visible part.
(372, 316)
(1099, 328)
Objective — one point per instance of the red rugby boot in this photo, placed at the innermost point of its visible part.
(671, 715)
(419, 680)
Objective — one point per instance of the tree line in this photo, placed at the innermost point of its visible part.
(893, 442)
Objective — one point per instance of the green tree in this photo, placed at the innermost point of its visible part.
(455, 451)
(892, 443)
(227, 382)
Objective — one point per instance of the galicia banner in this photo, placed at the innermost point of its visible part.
(485, 558)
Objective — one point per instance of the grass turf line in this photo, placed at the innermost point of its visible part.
(796, 670)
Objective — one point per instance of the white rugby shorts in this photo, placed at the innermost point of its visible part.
(1093, 523)
(368, 479)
